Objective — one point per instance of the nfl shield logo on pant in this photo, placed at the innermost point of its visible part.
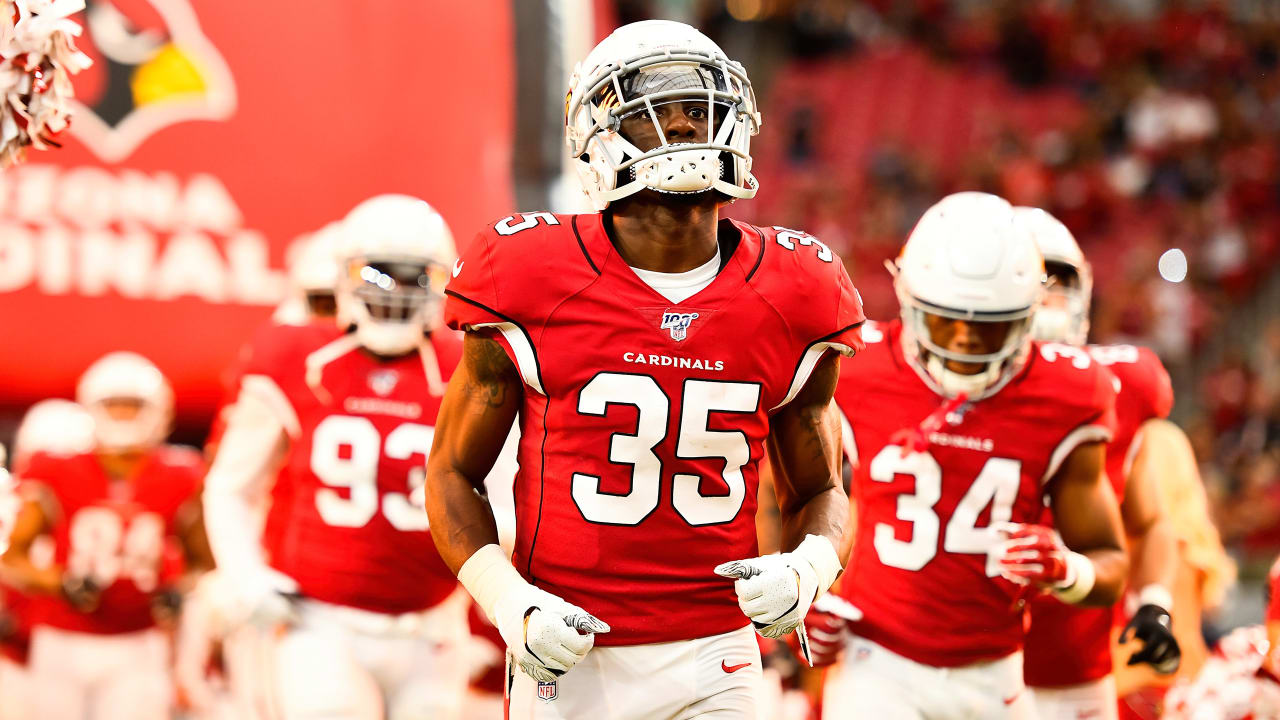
(546, 691)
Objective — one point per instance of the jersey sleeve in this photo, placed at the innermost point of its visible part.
(472, 293)
(1087, 408)
(40, 478)
(273, 364)
(1157, 388)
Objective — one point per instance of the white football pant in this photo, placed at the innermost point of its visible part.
(339, 663)
(717, 678)
(14, 691)
(83, 676)
(1090, 701)
(872, 682)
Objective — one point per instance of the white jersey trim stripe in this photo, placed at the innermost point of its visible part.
(847, 439)
(266, 389)
(526, 358)
(805, 368)
(1073, 440)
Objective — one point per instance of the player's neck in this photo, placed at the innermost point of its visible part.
(656, 234)
(121, 465)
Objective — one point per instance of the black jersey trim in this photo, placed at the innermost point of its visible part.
(537, 366)
(759, 257)
(573, 222)
(542, 487)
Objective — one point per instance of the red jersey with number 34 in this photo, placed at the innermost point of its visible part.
(922, 570)
(351, 527)
(643, 420)
(114, 532)
(1070, 644)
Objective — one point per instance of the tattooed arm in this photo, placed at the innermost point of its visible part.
(476, 414)
(804, 454)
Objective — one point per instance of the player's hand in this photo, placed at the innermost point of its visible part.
(545, 635)
(82, 592)
(828, 626)
(265, 597)
(1152, 625)
(1033, 555)
(774, 591)
(166, 603)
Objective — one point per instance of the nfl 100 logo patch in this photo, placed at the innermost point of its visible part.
(547, 691)
(678, 323)
(383, 381)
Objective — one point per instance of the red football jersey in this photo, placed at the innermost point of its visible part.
(114, 532)
(347, 520)
(644, 420)
(922, 571)
(1070, 644)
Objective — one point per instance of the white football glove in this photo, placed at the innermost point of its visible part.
(545, 635)
(264, 597)
(775, 591)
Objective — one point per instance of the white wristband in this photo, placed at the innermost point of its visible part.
(1156, 594)
(489, 576)
(822, 555)
(1081, 569)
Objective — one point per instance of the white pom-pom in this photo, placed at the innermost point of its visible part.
(37, 58)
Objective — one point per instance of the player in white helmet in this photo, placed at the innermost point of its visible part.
(961, 431)
(313, 278)
(653, 352)
(369, 619)
(96, 648)
(59, 427)
(1068, 650)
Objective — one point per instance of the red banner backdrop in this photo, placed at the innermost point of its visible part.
(212, 135)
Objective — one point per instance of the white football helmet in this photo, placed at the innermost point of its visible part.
(313, 276)
(396, 262)
(127, 376)
(966, 260)
(1057, 245)
(644, 65)
(56, 426)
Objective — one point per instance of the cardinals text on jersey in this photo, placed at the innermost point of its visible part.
(644, 420)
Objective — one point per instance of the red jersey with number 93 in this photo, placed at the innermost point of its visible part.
(923, 571)
(643, 419)
(351, 527)
(113, 532)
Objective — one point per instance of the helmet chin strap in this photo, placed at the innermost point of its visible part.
(953, 383)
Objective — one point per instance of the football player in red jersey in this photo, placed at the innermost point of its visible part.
(652, 352)
(113, 514)
(54, 427)
(236, 686)
(1068, 648)
(373, 622)
(962, 430)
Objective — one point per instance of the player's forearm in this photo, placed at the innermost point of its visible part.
(1111, 572)
(18, 571)
(1155, 556)
(461, 520)
(822, 514)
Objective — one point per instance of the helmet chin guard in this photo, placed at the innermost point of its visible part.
(637, 69)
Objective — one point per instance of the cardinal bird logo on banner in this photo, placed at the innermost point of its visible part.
(153, 67)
